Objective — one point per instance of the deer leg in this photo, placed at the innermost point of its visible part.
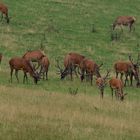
(16, 74)
(121, 77)
(11, 74)
(25, 77)
(116, 94)
(91, 78)
(117, 74)
(121, 28)
(126, 79)
(76, 72)
(71, 74)
(131, 79)
(102, 93)
(130, 27)
(82, 75)
(47, 75)
(112, 92)
(43, 75)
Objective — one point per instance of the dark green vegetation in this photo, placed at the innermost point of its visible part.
(40, 111)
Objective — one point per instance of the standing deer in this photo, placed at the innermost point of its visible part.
(117, 85)
(135, 72)
(89, 68)
(128, 68)
(4, 11)
(101, 83)
(18, 63)
(44, 67)
(124, 21)
(71, 62)
(34, 56)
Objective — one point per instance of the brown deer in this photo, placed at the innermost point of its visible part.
(18, 63)
(34, 56)
(0, 57)
(4, 11)
(101, 83)
(71, 62)
(117, 85)
(89, 68)
(129, 69)
(135, 72)
(124, 21)
(44, 67)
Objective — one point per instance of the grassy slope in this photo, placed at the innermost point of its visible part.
(36, 113)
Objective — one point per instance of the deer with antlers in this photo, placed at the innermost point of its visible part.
(4, 11)
(18, 63)
(89, 68)
(124, 21)
(117, 85)
(101, 83)
(71, 62)
(34, 56)
(129, 69)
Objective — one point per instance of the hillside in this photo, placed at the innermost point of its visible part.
(47, 110)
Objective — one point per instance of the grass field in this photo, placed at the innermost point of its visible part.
(47, 111)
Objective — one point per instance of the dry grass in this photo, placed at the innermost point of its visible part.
(64, 115)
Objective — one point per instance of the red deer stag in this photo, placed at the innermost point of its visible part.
(0, 57)
(101, 83)
(4, 11)
(71, 62)
(89, 68)
(44, 67)
(34, 56)
(18, 63)
(117, 85)
(135, 72)
(124, 21)
(128, 68)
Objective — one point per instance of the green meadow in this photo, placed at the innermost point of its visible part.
(47, 111)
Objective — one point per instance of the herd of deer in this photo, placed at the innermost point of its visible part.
(77, 63)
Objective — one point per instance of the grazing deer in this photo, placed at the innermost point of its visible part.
(4, 11)
(124, 21)
(128, 68)
(0, 57)
(18, 63)
(89, 68)
(44, 67)
(34, 56)
(101, 83)
(71, 62)
(117, 85)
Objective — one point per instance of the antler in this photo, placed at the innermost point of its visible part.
(108, 71)
(131, 60)
(58, 66)
(100, 65)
